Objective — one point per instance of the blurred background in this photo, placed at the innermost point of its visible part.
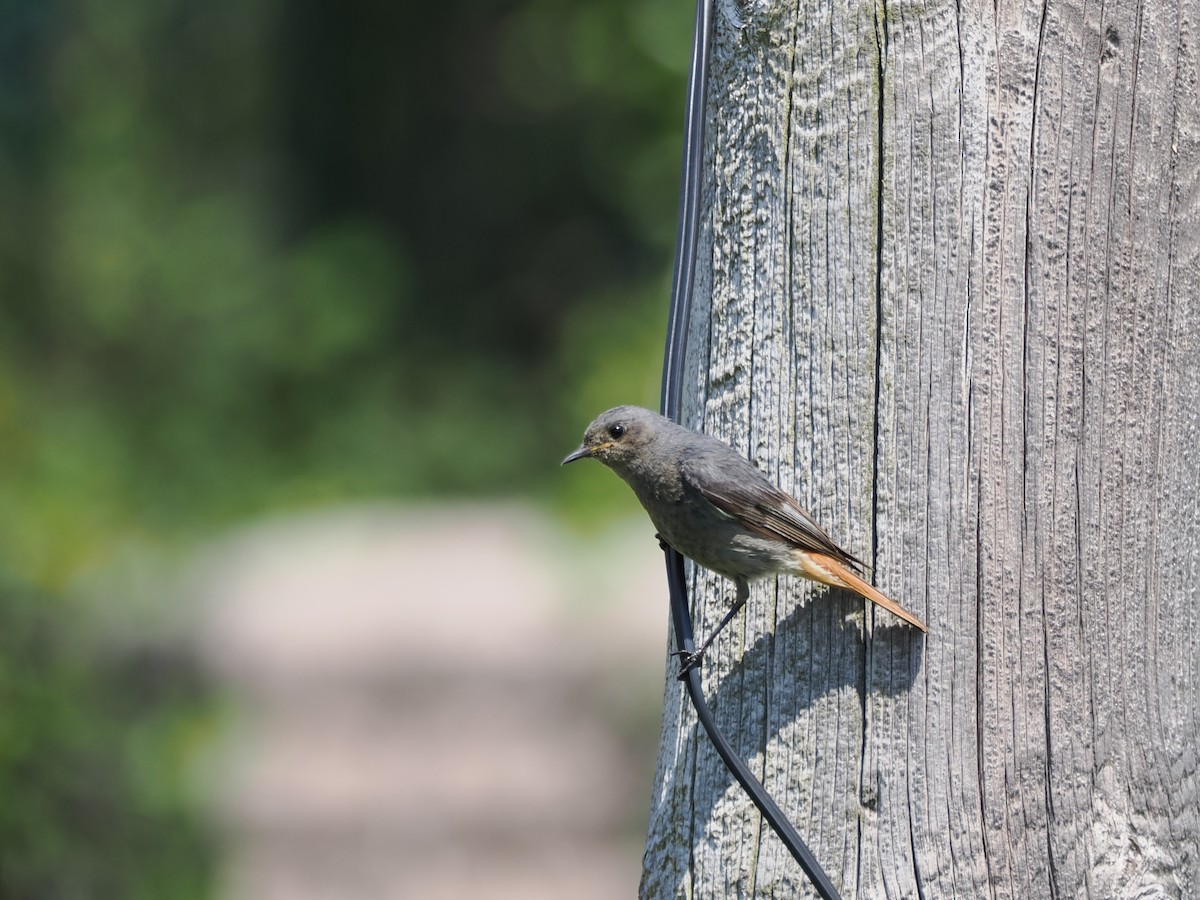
(300, 306)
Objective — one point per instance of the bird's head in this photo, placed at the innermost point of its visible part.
(618, 436)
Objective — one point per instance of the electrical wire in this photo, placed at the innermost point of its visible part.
(682, 285)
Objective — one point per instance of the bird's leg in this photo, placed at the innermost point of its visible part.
(689, 661)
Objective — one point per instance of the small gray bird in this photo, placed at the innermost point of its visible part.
(716, 508)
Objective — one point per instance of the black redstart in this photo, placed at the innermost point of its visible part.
(716, 508)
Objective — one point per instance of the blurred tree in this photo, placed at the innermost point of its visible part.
(256, 255)
(268, 254)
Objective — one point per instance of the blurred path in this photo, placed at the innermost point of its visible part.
(422, 722)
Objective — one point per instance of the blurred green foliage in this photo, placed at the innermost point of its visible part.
(259, 255)
(96, 749)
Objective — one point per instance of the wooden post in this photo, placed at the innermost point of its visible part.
(949, 296)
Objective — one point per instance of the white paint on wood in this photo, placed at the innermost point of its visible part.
(947, 296)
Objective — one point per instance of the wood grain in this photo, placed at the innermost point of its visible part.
(948, 297)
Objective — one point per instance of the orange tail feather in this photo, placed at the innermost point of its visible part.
(828, 570)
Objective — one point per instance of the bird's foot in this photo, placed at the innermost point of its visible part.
(688, 660)
(662, 542)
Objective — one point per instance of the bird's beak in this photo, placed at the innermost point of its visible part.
(583, 452)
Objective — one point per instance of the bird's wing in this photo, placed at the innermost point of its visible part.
(735, 487)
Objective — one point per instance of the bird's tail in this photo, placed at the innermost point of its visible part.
(828, 570)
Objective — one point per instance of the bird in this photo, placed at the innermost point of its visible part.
(716, 508)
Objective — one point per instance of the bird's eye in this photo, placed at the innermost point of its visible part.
(617, 431)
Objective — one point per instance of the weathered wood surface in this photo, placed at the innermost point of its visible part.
(948, 296)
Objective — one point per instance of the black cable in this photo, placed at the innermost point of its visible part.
(682, 282)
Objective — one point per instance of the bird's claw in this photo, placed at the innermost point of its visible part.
(662, 542)
(688, 660)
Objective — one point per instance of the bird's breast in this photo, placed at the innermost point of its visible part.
(717, 541)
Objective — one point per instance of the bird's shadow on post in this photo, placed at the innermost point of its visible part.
(817, 649)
